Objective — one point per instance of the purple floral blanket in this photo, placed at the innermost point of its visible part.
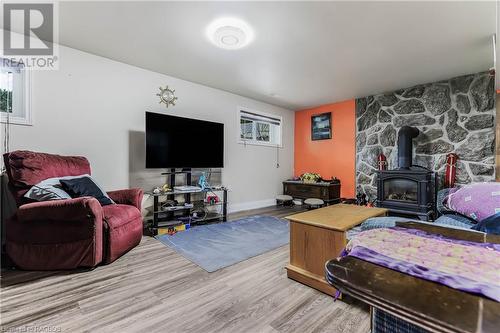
(467, 266)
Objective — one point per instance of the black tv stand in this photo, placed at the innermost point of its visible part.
(182, 213)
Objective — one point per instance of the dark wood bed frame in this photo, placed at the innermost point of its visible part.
(430, 305)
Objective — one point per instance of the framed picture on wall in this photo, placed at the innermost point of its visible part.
(321, 126)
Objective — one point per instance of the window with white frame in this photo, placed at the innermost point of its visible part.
(259, 128)
(14, 93)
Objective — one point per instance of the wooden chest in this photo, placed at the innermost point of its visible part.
(329, 193)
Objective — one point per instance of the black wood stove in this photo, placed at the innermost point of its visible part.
(409, 190)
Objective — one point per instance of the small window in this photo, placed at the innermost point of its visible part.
(14, 93)
(259, 128)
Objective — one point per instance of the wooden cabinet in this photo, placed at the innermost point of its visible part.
(319, 235)
(329, 193)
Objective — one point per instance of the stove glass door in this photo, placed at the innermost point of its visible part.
(399, 189)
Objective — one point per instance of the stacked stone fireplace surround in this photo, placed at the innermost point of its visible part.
(456, 115)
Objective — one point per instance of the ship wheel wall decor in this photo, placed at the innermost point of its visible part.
(167, 96)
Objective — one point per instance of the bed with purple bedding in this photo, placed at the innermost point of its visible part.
(463, 265)
(422, 278)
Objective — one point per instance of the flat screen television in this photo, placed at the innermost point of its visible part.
(176, 142)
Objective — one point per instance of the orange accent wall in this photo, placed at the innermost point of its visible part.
(334, 157)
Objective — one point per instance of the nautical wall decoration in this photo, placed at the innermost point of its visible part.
(167, 96)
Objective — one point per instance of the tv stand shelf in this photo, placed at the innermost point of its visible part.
(180, 213)
(189, 171)
(171, 223)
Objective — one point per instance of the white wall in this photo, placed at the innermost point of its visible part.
(93, 106)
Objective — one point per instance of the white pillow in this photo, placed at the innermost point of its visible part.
(49, 189)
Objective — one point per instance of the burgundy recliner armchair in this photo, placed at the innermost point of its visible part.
(70, 233)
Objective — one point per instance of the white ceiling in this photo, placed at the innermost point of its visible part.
(304, 54)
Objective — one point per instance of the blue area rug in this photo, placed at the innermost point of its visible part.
(216, 246)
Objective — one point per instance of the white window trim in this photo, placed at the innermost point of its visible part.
(252, 142)
(27, 120)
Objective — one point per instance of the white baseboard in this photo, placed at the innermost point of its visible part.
(250, 205)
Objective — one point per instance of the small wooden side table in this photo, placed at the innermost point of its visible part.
(319, 235)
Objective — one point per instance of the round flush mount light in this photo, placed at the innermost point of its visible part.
(229, 33)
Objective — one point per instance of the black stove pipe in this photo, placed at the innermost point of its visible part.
(405, 146)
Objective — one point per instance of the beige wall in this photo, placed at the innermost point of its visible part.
(93, 106)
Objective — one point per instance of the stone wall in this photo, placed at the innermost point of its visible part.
(457, 115)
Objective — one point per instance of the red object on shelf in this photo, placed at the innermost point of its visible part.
(451, 170)
(212, 199)
(382, 162)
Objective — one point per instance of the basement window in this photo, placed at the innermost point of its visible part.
(257, 128)
(15, 87)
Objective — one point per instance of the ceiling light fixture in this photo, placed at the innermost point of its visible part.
(230, 33)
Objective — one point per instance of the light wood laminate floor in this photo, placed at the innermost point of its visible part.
(154, 289)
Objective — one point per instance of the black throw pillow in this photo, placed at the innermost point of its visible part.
(490, 225)
(85, 187)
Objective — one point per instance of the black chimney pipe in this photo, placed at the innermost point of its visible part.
(405, 146)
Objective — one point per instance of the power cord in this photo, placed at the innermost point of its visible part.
(277, 156)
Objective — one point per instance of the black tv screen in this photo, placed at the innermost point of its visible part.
(176, 142)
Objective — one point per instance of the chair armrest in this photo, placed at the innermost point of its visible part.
(131, 197)
(78, 209)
